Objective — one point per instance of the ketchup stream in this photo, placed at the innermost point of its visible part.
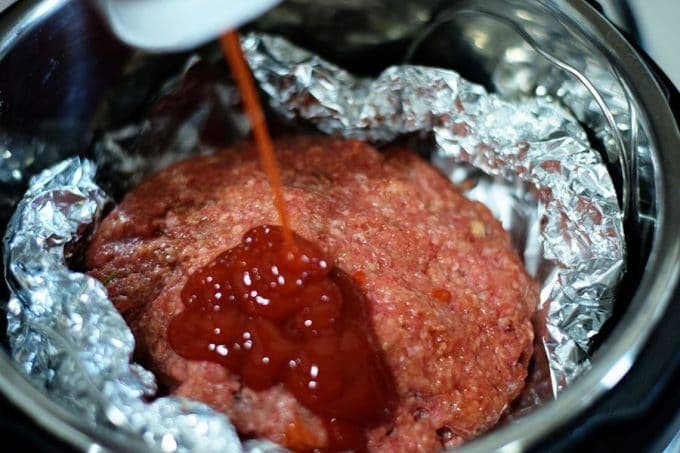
(274, 311)
(231, 46)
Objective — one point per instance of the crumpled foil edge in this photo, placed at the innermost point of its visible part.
(534, 140)
(89, 369)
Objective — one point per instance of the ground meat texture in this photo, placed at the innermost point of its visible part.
(450, 301)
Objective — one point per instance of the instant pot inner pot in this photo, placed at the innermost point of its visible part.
(58, 65)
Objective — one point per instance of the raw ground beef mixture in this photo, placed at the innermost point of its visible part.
(450, 301)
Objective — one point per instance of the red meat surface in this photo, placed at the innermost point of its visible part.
(450, 301)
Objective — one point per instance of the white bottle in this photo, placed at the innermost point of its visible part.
(175, 25)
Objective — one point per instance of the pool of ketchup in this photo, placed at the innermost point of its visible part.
(274, 314)
(274, 310)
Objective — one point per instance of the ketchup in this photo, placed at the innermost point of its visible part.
(275, 314)
(231, 46)
(274, 310)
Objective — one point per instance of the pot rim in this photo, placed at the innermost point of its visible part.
(615, 356)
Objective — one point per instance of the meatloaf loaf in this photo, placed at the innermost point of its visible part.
(450, 301)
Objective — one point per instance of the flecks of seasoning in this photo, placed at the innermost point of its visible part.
(359, 237)
(395, 187)
(322, 177)
(441, 294)
(110, 278)
(477, 229)
(359, 277)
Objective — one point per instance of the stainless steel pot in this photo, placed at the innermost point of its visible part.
(57, 63)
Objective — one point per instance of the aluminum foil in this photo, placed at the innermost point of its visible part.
(534, 141)
(67, 335)
(529, 161)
